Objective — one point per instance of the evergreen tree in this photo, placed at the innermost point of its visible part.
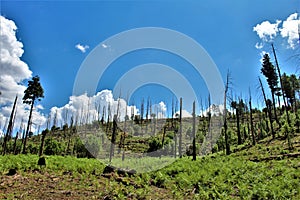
(269, 71)
(33, 92)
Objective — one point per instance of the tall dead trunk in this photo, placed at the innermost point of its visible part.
(142, 114)
(287, 133)
(113, 138)
(251, 119)
(15, 144)
(9, 127)
(147, 114)
(108, 118)
(268, 108)
(274, 108)
(122, 140)
(180, 130)
(194, 131)
(238, 124)
(172, 112)
(227, 145)
(28, 128)
(163, 138)
(209, 120)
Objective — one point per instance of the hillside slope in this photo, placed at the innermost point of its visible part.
(265, 171)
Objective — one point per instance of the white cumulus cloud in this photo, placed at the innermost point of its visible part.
(285, 29)
(290, 30)
(14, 71)
(160, 109)
(81, 47)
(185, 114)
(215, 110)
(84, 109)
(266, 31)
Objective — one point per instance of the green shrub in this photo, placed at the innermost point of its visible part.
(154, 144)
(53, 147)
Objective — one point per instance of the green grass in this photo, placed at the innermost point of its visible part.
(215, 176)
(142, 165)
(56, 164)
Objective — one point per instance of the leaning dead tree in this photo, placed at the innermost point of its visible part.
(267, 107)
(10, 127)
(281, 86)
(287, 132)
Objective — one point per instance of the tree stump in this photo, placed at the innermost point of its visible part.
(42, 162)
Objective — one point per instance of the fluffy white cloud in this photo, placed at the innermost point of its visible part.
(290, 30)
(84, 109)
(266, 31)
(185, 114)
(216, 110)
(81, 47)
(13, 69)
(13, 72)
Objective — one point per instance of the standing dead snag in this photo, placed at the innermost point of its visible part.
(108, 118)
(10, 126)
(147, 114)
(209, 120)
(142, 115)
(227, 146)
(251, 119)
(194, 131)
(269, 113)
(238, 106)
(163, 138)
(180, 130)
(284, 100)
(113, 138)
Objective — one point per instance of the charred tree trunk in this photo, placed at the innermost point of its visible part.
(163, 138)
(108, 118)
(9, 127)
(28, 127)
(227, 145)
(113, 138)
(15, 143)
(124, 134)
(268, 108)
(180, 130)
(284, 101)
(274, 108)
(175, 142)
(194, 131)
(251, 119)
(238, 125)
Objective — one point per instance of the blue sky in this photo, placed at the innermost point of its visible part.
(49, 31)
